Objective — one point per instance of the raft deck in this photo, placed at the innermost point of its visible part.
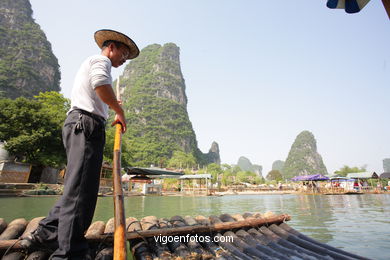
(247, 236)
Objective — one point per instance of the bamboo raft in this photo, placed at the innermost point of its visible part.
(247, 236)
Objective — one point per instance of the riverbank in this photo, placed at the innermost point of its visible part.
(38, 190)
(29, 189)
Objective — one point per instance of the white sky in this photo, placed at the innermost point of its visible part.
(257, 72)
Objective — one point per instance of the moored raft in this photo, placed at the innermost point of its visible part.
(246, 236)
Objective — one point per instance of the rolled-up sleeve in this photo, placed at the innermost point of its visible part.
(100, 72)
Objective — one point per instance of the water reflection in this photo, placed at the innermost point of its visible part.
(28, 208)
(313, 215)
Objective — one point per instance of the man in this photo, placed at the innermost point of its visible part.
(84, 137)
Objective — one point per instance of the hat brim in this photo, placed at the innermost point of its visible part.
(105, 35)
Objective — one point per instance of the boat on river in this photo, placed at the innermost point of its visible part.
(240, 236)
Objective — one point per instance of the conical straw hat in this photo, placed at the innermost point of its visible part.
(105, 35)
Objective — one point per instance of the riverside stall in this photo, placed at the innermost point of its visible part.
(309, 182)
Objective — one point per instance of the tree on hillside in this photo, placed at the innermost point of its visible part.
(274, 175)
(386, 164)
(32, 128)
(181, 160)
(346, 169)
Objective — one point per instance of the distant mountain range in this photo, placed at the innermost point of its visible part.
(246, 165)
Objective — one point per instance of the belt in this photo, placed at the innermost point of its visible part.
(94, 116)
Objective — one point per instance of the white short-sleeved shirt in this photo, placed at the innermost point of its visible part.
(94, 72)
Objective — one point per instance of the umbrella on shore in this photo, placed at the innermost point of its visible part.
(354, 6)
(315, 177)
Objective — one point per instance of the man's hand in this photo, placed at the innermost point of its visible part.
(120, 119)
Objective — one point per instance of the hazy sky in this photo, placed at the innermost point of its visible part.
(257, 72)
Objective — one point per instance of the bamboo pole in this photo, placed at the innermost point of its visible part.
(119, 209)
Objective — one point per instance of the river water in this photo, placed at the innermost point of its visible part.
(355, 223)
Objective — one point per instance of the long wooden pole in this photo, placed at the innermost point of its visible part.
(119, 209)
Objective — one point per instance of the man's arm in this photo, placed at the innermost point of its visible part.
(107, 95)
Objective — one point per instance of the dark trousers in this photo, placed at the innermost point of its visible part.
(84, 138)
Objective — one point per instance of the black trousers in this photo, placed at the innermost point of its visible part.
(84, 139)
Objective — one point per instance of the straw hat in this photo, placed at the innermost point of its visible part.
(104, 35)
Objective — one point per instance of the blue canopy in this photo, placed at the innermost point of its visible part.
(315, 177)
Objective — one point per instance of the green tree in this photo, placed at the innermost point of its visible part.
(229, 174)
(236, 169)
(215, 170)
(226, 166)
(32, 128)
(346, 169)
(227, 178)
(181, 159)
(246, 176)
(274, 175)
(259, 180)
(54, 105)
